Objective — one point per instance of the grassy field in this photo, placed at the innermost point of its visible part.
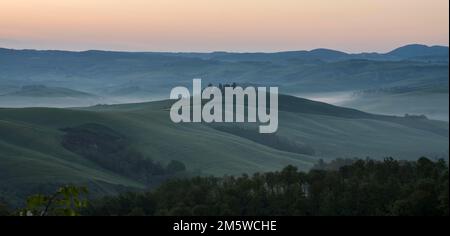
(31, 153)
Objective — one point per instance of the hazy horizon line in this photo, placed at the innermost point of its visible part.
(220, 51)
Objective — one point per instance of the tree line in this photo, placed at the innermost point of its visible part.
(340, 188)
(364, 187)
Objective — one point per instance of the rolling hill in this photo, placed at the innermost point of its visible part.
(44, 96)
(103, 71)
(32, 154)
(129, 77)
(44, 91)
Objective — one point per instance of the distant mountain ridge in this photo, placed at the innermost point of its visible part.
(413, 51)
(401, 53)
(418, 50)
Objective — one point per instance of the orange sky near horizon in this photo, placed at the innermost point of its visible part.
(222, 25)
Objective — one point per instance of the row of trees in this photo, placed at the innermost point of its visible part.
(365, 187)
(223, 86)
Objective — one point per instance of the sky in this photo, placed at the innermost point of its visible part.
(222, 25)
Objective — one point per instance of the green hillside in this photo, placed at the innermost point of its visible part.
(32, 155)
